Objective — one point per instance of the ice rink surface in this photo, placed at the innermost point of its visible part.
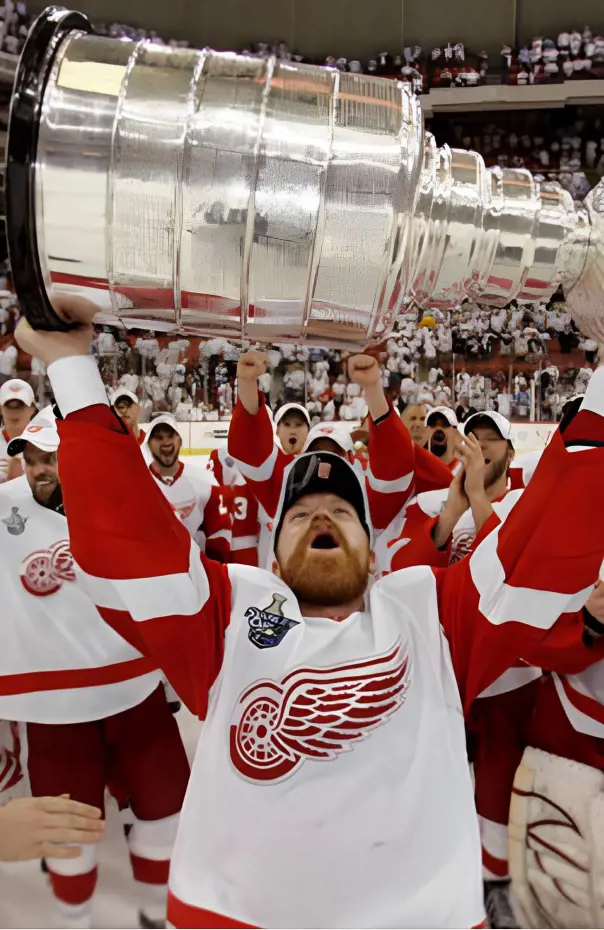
(26, 901)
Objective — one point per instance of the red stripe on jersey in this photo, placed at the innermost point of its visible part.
(62, 679)
(186, 916)
(583, 703)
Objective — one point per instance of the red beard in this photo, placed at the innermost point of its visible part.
(326, 577)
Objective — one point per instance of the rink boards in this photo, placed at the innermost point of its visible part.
(199, 438)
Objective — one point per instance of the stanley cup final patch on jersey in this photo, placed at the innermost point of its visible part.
(268, 626)
(15, 523)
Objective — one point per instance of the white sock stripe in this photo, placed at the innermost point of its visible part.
(153, 839)
(85, 862)
(494, 837)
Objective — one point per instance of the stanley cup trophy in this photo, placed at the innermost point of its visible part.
(219, 194)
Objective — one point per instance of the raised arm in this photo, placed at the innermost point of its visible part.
(390, 471)
(251, 439)
(520, 594)
(138, 563)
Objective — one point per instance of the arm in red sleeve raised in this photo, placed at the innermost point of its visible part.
(137, 561)
(389, 474)
(252, 444)
(430, 473)
(519, 595)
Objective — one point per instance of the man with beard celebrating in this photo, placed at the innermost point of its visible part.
(86, 701)
(470, 503)
(443, 436)
(191, 493)
(331, 786)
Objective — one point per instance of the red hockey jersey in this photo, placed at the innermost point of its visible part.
(241, 504)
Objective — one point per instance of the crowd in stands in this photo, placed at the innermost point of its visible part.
(572, 54)
(473, 359)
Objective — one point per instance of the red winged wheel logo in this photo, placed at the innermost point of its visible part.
(315, 713)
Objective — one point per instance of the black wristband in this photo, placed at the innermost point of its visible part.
(383, 417)
(593, 625)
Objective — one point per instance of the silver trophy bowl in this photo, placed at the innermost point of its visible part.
(219, 194)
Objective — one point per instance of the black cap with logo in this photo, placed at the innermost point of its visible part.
(323, 473)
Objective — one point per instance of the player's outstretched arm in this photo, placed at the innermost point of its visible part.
(390, 470)
(251, 440)
(139, 565)
(521, 593)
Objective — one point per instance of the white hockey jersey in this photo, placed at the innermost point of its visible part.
(196, 499)
(323, 737)
(59, 662)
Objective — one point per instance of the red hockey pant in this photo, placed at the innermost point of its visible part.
(143, 746)
(498, 726)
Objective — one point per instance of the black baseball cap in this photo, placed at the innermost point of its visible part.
(323, 473)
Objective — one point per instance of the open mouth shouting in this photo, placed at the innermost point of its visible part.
(324, 539)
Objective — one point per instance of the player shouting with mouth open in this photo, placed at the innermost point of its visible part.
(331, 785)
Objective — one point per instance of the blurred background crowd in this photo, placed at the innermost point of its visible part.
(523, 361)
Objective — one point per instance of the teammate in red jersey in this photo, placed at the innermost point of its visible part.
(391, 474)
(440, 527)
(292, 423)
(242, 507)
(126, 405)
(316, 689)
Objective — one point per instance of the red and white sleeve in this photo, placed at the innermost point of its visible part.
(398, 469)
(390, 470)
(520, 594)
(258, 457)
(140, 567)
(217, 526)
